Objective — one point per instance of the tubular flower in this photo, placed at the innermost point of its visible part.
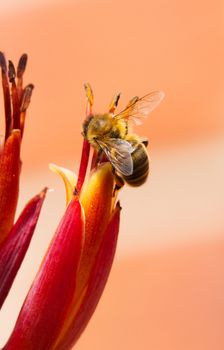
(14, 238)
(75, 269)
(13, 249)
(16, 102)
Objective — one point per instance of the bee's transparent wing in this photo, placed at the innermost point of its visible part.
(118, 152)
(139, 108)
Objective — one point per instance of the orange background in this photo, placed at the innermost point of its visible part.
(167, 284)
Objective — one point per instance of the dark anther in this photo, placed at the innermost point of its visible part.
(3, 62)
(26, 97)
(11, 72)
(22, 65)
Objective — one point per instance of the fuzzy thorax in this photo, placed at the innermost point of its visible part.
(103, 126)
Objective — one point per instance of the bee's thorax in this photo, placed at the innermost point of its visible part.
(103, 126)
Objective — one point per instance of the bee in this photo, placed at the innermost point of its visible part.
(109, 134)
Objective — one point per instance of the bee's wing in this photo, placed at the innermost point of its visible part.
(118, 152)
(139, 108)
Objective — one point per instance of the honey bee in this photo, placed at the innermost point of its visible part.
(109, 134)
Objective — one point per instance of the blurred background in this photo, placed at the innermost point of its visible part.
(166, 289)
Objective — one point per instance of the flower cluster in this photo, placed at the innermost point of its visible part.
(74, 271)
(14, 238)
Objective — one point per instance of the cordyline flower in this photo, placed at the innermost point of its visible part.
(14, 238)
(76, 266)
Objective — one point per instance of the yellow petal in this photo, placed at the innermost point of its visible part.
(69, 178)
(96, 198)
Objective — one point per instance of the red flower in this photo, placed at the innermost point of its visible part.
(14, 239)
(75, 269)
(16, 101)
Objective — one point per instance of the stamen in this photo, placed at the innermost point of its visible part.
(15, 104)
(3, 62)
(114, 102)
(11, 72)
(89, 96)
(6, 93)
(26, 97)
(27, 93)
(21, 68)
(19, 73)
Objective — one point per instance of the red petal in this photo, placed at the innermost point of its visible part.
(14, 248)
(9, 182)
(44, 309)
(97, 282)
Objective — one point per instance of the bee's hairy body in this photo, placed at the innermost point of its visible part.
(109, 134)
(102, 127)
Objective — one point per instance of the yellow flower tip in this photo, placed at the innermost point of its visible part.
(69, 178)
(101, 184)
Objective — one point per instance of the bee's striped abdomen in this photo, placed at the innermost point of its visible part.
(140, 167)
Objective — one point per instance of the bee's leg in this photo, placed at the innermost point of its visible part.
(97, 158)
(94, 159)
(119, 183)
(89, 96)
(100, 156)
(145, 141)
(114, 103)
